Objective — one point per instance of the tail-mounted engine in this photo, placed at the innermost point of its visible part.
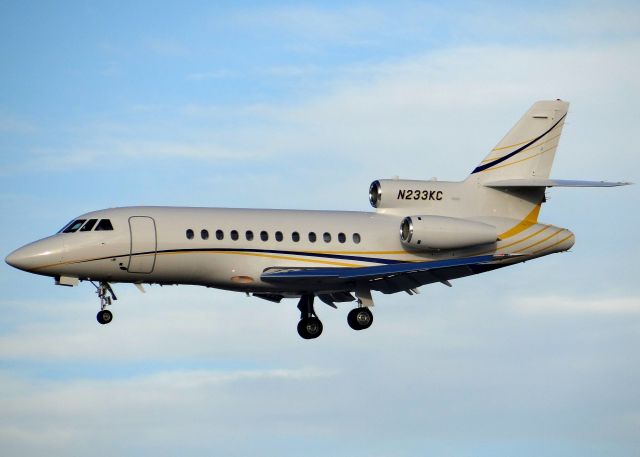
(439, 232)
(404, 193)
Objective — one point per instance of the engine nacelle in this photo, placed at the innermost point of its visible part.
(405, 193)
(439, 232)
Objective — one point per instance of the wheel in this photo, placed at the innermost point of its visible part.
(104, 316)
(309, 328)
(360, 318)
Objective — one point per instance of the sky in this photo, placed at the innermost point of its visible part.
(302, 105)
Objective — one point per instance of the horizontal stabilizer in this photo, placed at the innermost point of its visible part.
(534, 182)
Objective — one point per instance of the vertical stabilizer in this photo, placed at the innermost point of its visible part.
(529, 148)
(526, 152)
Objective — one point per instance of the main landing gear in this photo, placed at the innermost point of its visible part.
(360, 318)
(106, 295)
(309, 326)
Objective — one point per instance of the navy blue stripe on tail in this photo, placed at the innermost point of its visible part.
(520, 149)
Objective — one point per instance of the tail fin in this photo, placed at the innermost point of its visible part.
(529, 148)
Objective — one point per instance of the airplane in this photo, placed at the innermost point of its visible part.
(421, 232)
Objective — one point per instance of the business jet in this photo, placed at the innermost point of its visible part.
(421, 232)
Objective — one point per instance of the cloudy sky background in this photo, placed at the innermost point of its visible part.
(302, 105)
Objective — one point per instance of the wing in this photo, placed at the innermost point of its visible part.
(384, 278)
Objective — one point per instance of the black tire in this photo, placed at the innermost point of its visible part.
(360, 318)
(104, 317)
(310, 328)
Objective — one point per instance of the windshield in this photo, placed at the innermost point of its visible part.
(84, 225)
(74, 226)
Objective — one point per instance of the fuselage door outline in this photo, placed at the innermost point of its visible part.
(143, 244)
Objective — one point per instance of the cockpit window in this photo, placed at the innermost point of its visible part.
(89, 225)
(66, 226)
(74, 226)
(104, 224)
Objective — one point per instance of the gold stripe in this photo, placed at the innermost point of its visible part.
(326, 262)
(529, 220)
(72, 262)
(356, 252)
(516, 242)
(518, 161)
(526, 237)
(271, 256)
(554, 244)
(541, 241)
(535, 145)
(511, 145)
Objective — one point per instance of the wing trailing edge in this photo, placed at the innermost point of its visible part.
(384, 278)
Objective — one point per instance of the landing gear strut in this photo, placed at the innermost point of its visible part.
(106, 295)
(309, 326)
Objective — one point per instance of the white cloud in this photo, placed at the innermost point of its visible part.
(440, 111)
(192, 369)
(569, 305)
(471, 370)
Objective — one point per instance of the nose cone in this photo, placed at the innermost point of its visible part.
(37, 256)
(15, 259)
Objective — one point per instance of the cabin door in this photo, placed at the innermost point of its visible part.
(144, 243)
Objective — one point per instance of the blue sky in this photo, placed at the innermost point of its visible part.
(302, 105)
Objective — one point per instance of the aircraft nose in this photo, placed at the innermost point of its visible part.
(15, 259)
(36, 255)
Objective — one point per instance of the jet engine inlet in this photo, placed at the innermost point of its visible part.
(406, 230)
(439, 232)
(375, 193)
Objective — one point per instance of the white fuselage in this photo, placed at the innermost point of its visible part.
(153, 245)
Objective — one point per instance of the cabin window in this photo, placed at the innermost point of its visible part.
(356, 238)
(264, 236)
(326, 236)
(234, 235)
(220, 234)
(74, 226)
(295, 236)
(89, 225)
(189, 234)
(279, 236)
(312, 237)
(341, 237)
(249, 235)
(204, 234)
(104, 224)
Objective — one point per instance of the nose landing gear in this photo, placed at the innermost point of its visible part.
(106, 295)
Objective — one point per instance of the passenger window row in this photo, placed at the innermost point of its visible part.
(84, 225)
(264, 236)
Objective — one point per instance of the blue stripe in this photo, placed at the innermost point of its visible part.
(377, 271)
(261, 251)
(298, 253)
(520, 149)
